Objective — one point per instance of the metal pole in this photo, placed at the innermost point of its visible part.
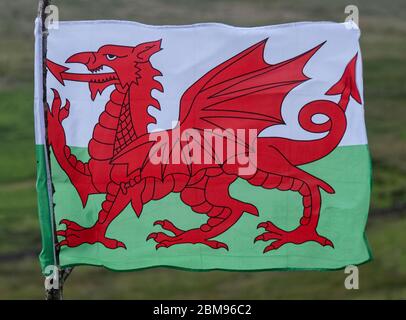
(55, 292)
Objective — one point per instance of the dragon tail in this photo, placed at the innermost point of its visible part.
(301, 152)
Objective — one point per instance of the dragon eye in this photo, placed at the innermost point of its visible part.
(110, 56)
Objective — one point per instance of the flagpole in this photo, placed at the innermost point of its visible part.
(54, 292)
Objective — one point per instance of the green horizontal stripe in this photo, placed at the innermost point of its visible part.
(342, 219)
(46, 256)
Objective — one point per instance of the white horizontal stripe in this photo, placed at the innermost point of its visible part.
(191, 51)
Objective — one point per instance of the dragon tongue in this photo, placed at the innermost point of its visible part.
(57, 70)
(97, 82)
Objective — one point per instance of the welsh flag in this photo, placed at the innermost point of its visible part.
(201, 147)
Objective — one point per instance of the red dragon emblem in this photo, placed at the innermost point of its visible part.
(242, 92)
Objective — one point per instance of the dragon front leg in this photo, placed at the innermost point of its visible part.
(74, 235)
(77, 171)
(209, 196)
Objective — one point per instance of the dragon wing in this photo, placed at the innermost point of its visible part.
(242, 92)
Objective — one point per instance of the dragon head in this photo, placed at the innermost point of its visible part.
(126, 64)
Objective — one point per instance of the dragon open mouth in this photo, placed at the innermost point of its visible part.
(97, 81)
(95, 70)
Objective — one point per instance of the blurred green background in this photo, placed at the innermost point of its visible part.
(383, 44)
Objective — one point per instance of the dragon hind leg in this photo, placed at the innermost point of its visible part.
(306, 231)
(284, 176)
(209, 196)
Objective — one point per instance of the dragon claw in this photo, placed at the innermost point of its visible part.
(261, 225)
(62, 243)
(222, 245)
(328, 243)
(193, 236)
(76, 235)
(161, 245)
(64, 221)
(64, 111)
(258, 238)
(71, 225)
(267, 225)
(55, 115)
(169, 226)
(151, 236)
(275, 245)
(58, 112)
(121, 245)
(269, 248)
(281, 237)
(61, 233)
(266, 236)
